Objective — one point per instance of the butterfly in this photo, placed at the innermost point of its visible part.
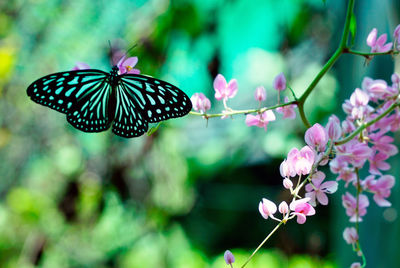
(94, 100)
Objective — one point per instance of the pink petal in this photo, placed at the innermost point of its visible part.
(252, 120)
(232, 88)
(386, 181)
(371, 39)
(329, 187)
(219, 83)
(381, 201)
(300, 218)
(322, 198)
(131, 61)
(312, 197)
(381, 40)
(268, 115)
(317, 178)
(386, 47)
(133, 71)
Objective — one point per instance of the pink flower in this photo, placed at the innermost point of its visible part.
(260, 120)
(359, 98)
(125, 65)
(280, 82)
(80, 66)
(228, 257)
(350, 204)
(350, 235)
(381, 188)
(355, 152)
(378, 45)
(383, 144)
(316, 137)
(301, 209)
(357, 106)
(224, 90)
(267, 208)
(260, 94)
(283, 208)
(395, 78)
(377, 162)
(355, 265)
(200, 102)
(301, 161)
(333, 128)
(288, 110)
(318, 190)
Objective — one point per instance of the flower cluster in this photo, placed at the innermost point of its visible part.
(372, 113)
(226, 90)
(378, 44)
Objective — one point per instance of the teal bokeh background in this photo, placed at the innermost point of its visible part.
(184, 195)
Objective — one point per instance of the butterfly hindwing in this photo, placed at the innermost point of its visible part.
(158, 99)
(129, 120)
(90, 113)
(60, 91)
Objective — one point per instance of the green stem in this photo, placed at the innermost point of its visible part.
(329, 63)
(365, 125)
(262, 243)
(235, 112)
(359, 189)
(368, 55)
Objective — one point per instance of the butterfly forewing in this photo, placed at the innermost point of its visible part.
(60, 91)
(159, 100)
(90, 113)
(129, 120)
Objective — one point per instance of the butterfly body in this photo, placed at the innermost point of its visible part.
(94, 101)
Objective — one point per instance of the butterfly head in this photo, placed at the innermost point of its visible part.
(114, 71)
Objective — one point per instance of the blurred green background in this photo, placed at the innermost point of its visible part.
(184, 195)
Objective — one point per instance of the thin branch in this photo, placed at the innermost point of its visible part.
(365, 125)
(236, 112)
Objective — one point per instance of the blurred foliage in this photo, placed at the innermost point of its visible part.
(188, 192)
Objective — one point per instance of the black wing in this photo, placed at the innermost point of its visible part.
(60, 91)
(83, 95)
(157, 99)
(130, 120)
(90, 113)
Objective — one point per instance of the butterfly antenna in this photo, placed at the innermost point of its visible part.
(132, 47)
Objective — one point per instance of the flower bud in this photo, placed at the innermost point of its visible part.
(316, 137)
(333, 128)
(350, 235)
(200, 102)
(267, 208)
(228, 257)
(260, 94)
(287, 183)
(283, 207)
(280, 82)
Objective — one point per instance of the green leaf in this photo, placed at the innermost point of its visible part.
(353, 28)
(153, 129)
